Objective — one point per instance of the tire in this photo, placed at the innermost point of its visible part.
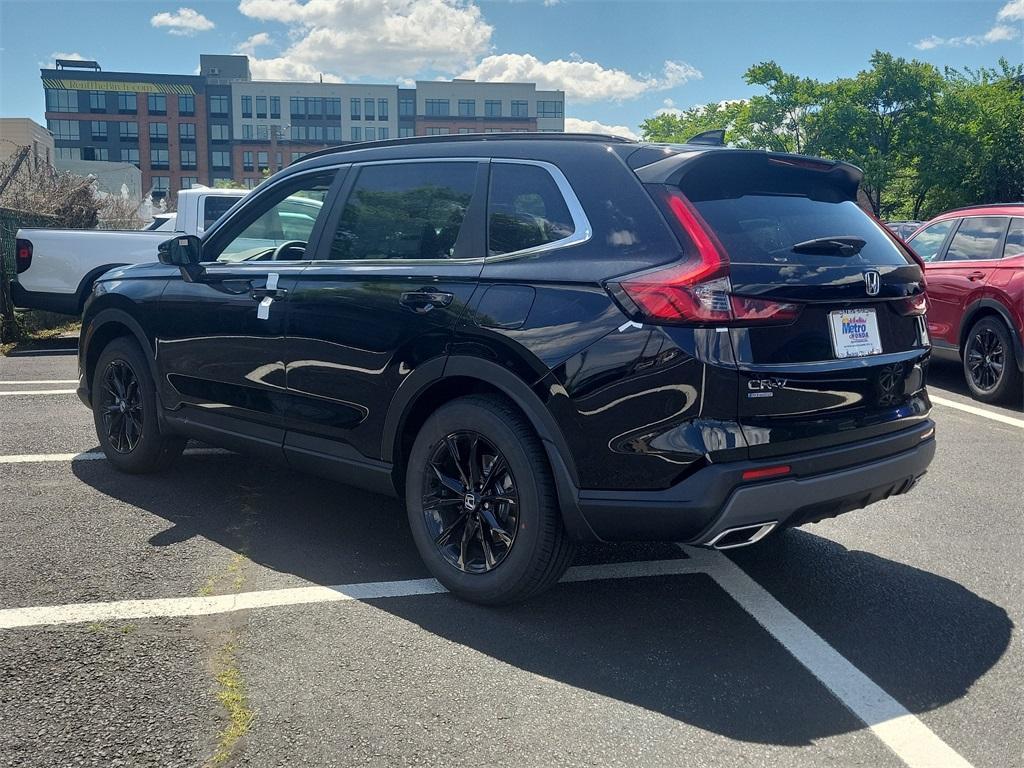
(129, 434)
(990, 363)
(530, 549)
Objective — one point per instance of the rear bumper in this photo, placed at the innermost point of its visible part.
(62, 303)
(716, 499)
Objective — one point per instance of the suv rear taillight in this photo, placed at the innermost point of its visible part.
(22, 255)
(697, 290)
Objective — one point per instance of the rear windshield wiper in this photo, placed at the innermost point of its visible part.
(837, 246)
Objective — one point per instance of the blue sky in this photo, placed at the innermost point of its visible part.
(619, 62)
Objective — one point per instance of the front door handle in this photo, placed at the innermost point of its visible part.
(262, 293)
(424, 301)
(975, 275)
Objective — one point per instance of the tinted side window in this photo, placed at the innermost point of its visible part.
(977, 238)
(405, 211)
(215, 207)
(1014, 239)
(525, 209)
(927, 244)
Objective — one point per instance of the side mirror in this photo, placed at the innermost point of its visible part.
(184, 252)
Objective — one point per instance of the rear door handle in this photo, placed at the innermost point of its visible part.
(424, 301)
(975, 275)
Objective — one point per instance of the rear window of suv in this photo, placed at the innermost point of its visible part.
(763, 228)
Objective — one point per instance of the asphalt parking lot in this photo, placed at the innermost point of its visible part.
(231, 613)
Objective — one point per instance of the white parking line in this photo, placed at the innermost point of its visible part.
(910, 739)
(42, 458)
(39, 392)
(38, 381)
(77, 613)
(983, 412)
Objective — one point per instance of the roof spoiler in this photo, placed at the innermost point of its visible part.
(714, 138)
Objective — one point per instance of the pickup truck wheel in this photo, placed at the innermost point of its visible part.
(990, 365)
(124, 410)
(482, 503)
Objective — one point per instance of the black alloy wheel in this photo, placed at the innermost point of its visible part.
(985, 359)
(470, 502)
(121, 406)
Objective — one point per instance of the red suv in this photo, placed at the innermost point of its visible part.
(974, 264)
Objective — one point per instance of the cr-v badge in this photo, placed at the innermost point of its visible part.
(872, 282)
(764, 387)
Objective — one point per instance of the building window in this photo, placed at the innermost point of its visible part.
(186, 104)
(315, 107)
(275, 107)
(158, 132)
(278, 162)
(296, 156)
(247, 132)
(187, 182)
(492, 108)
(298, 133)
(467, 107)
(156, 103)
(128, 131)
(130, 155)
(219, 105)
(221, 159)
(262, 132)
(187, 132)
(406, 132)
(550, 109)
(59, 100)
(263, 160)
(247, 161)
(354, 106)
(520, 108)
(161, 185)
(261, 107)
(247, 106)
(437, 107)
(464, 130)
(127, 103)
(438, 131)
(99, 130)
(368, 108)
(382, 133)
(159, 159)
(97, 101)
(188, 159)
(332, 107)
(406, 107)
(333, 133)
(357, 133)
(370, 134)
(492, 130)
(67, 153)
(63, 129)
(250, 183)
(95, 153)
(382, 109)
(297, 107)
(220, 132)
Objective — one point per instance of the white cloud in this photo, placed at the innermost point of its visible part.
(72, 56)
(575, 125)
(582, 81)
(998, 33)
(354, 38)
(251, 43)
(1012, 11)
(185, 21)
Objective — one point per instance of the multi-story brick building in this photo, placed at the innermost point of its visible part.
(221, 124)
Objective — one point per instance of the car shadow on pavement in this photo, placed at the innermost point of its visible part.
(677, 645)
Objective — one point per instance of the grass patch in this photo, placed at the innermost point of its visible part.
(37, 329)
(231, 695)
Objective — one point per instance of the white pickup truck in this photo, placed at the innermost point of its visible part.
(57, 267)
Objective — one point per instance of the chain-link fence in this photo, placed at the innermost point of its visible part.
(11, 221)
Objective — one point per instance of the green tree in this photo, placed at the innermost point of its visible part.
(778, 119)
(677, 127)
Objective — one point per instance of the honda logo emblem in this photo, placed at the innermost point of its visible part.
(872, 282)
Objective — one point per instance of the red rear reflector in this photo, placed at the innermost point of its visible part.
(763, 472)
(22, 255)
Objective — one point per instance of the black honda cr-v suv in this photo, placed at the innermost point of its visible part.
(534, 340)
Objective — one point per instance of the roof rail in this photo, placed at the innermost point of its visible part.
(459, 137)
(984, 205)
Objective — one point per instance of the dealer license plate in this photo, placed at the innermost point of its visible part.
(854, 333)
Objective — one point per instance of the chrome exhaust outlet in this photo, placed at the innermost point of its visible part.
(741, 536)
